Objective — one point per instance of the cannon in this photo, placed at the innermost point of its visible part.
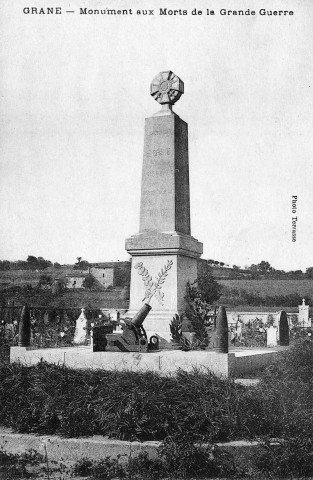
(133, 338)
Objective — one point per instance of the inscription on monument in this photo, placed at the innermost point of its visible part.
(163, 212)
(156, 191)
(160, 131)
(159, 152)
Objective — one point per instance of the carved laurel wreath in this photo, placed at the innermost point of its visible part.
(153, 288)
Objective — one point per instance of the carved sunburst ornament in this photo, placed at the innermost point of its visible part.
(166, 88)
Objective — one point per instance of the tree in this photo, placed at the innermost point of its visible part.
(206, 288)
(309, 272)
(89, 282)
(32, 261)
(81, 264)
(5, 265)
(44, 280)
(37, 263)
(264, 266)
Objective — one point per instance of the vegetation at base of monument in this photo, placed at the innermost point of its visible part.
(50, 399)
(200, 296)
(199, 342)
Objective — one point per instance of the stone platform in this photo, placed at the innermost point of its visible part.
(166, 362)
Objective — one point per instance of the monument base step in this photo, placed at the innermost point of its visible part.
(166, 362)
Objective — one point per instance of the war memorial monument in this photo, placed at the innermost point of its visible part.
(164, 254)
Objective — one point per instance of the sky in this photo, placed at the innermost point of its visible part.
(74, 96)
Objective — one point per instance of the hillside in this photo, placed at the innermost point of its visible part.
(271, 287)
(110, 298)
(31, 277)
(244, 293)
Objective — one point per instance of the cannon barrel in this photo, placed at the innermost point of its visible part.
(141, 315)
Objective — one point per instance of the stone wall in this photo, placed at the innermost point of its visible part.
(245, 317)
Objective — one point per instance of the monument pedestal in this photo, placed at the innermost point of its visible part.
(164, 254)
(182, 263)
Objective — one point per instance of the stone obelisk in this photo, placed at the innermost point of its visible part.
(164, 254)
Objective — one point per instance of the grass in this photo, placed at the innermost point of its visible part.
(17, 466)
(272, 287)
(265, 293)
(50, 399)
(68, 299)
(189, 413)
(173, 462)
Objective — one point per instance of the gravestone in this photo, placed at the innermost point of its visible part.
(304, 315)
(80, 335)
(283, 329)
(164, 254)
(271, 336)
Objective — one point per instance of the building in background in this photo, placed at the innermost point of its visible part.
(111, 274)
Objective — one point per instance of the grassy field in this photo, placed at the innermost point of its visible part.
(31, 277)
(69, 299)
(272, 287)
(107, 299)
